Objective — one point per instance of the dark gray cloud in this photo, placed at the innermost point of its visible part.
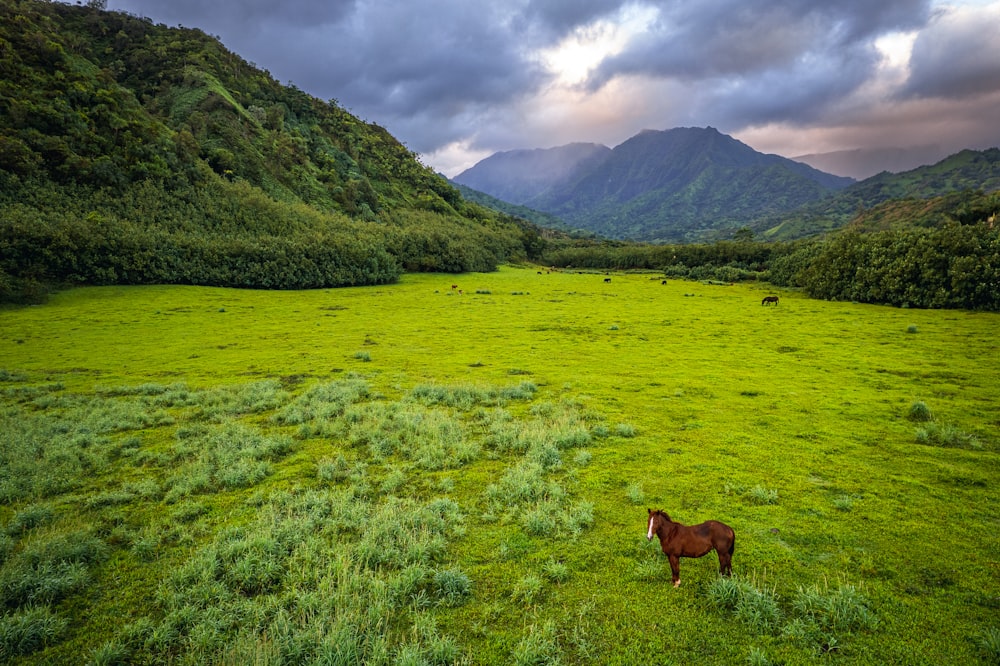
(560, 17)
(751, 46)
(459, 79)
(957, 56)
(246, 13)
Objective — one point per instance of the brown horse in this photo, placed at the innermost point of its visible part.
(679, 541)
(769, 299)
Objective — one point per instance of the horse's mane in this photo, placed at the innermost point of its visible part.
(663, 513)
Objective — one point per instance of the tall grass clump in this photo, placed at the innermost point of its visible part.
(315, 577)
(50, 567)
(522, 484)
(30, 517)
(936, 434)
(757, 609)
(466, 397)
(843, 610)
(434, 439)
(843, 503)
(989, 644)
(528, 590)
(555, 571)
(29, 630)
(762, 496)
(758, 657)
(919, 411)
(218, 405)
(40, 455)
(625, 430)
(452, 586)
(539, 647)
(323, 402)
(225, 458)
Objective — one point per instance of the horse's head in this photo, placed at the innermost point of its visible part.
(655, 517)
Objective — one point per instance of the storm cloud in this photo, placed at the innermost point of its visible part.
(457, 80)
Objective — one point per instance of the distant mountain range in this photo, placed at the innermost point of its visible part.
(697, 184)
(861, 163)
(677, 185)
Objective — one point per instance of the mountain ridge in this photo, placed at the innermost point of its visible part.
(682, 184)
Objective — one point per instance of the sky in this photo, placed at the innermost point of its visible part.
(458, 80)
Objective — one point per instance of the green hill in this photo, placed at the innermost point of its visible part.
(137, 153)
(966, 171)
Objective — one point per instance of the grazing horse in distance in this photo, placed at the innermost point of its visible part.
(769, 299)
(607, 279)
(679, 541)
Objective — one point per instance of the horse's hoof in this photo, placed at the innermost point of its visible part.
(677, 584)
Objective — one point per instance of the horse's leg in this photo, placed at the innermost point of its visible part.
(725, 563)
(675, 569)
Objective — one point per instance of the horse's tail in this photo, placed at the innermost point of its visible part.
(732, 544)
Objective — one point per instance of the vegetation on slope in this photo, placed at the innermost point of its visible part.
(951, 259)
(681, 185)
(136, 153)
(968, 171)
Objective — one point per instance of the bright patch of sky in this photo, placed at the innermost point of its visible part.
(577, 55)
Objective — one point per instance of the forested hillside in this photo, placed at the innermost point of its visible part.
(137, 153)
(686, 184)
(965, 172)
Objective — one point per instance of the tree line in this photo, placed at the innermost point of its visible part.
(955, 264)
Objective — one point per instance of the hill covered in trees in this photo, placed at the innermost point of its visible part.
(137, 153)
(686, 184)
(954, 178)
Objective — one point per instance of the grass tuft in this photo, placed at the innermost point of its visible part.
(989, 644)
(30, 517)
(555, 571)
(755, 608)
(539, 647)
(920, 412)
(762, 496)
(452, 586)
(936, 434)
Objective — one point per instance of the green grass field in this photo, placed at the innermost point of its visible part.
(412, 475)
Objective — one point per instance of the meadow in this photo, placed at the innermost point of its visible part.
(425, 474)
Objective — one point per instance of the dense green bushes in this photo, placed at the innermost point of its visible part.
(956, 266)
(949, 266)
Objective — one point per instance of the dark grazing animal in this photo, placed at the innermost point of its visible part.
(769, 299)
(607, 279)
(679, 541)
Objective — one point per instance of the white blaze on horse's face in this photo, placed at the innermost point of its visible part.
(649, 534)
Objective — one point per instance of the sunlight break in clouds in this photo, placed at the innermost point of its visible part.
(572, 60)
(896, 48)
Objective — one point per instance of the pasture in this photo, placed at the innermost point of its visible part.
(407, 474)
